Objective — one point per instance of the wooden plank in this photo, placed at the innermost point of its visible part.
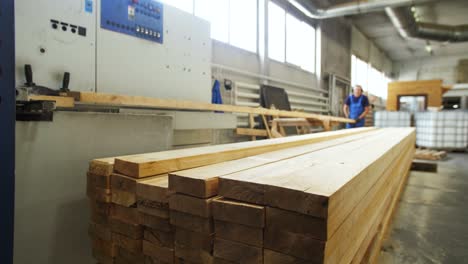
(162, 253)
(423, 166)
(99, 181)
(203, 182)
(159, 238)
(322, 192)
(252, 125)
(239, 233)
(222, 261)
(100, 212)
(191, 205)
(251, 132)
(300, 184)
(103, 166)
(273, 257)
(125, 214)
(60, 101)
(123, 198)
(127, 257)
(155, 222)
(344, 244)
(101, 207)
(291, 121)
(192, 255)
(304, 247)
(370, 247)
(99, 218)
(132, 245)
(102, 258)
(383, 227)
(238, 212)
(154, 189)
(123, 183)
(237, 252)
(124, 189)
(153, 204)
(192, 222)
(267, 127)
(108, 249)
(194, 240)
(426, 154)
(151, 208)
(131, 230)
(242, 185)
(149, 164)
(332, 223)
(98, 194)
(294, 224)
(99, 231)
(125, 100)
(151, 260)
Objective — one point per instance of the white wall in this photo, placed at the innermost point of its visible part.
(227, 55)
(437, 67)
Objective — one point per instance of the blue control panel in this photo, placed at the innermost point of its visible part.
(138, 18)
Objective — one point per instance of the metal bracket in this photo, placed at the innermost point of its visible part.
(35, 110)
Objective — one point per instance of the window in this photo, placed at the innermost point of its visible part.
(293, 40)
(185, 5)
(371, 79)
(290, 40)
(238, 23)
(231, 21)
(217, 13)
(300, 45)
(276, 32)
(375, 82)
(359, 72)
(242, 24)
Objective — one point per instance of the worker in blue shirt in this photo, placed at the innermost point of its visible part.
(356, 107)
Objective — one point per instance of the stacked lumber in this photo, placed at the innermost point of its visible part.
(239, 229)
(153, 204)
(429, 154)
(328, 205)
(99, 194)
(302, 199)
(193, 222)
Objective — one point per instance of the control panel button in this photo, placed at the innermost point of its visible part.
(138, 18)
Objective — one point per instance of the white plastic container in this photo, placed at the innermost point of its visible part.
(392, 119)
(442, 130)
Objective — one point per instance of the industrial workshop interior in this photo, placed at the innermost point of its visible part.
(233, 131)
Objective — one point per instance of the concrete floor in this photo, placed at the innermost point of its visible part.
(431, 222)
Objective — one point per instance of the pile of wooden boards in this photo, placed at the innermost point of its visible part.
(320, 198)
(429, 154)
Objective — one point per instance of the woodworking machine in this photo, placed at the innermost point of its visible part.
(131, 47)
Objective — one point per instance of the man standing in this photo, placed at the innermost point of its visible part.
(356, 107)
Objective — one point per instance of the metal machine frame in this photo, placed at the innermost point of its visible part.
(124, 47)
(7, 121)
